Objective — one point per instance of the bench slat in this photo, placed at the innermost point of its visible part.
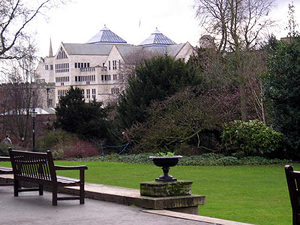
(39, 168)
(5, 169)
(67, 180)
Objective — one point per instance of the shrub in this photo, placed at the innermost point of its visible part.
(207, 159)
(66, 145)
(253, 138)
(4, 149)
(55, 138)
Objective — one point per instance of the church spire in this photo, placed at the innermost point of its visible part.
(50, 49)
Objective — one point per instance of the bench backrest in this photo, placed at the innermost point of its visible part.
(33, 165)
(293, 181)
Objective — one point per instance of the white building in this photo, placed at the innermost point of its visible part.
(96, 66)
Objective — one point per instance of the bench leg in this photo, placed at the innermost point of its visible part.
(54, 195)
(81, 191)
(41, 189)
(16, 188)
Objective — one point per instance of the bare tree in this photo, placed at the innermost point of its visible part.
(15, 16)
(238, 26)
(292, 23)
(19, 94)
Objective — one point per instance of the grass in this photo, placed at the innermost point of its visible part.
(250, 194)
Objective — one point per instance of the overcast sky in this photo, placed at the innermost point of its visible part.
(132, 20)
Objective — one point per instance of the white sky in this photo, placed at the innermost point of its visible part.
(132, 20)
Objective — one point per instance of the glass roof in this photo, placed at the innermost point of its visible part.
(157, 38)
(106, 36)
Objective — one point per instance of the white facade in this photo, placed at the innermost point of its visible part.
(95, 66)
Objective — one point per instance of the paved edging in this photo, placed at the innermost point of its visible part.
(194, 217)
(109, 193)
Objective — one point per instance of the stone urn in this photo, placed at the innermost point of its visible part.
(165, 162)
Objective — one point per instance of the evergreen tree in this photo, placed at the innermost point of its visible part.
(155, 79)
(283, 91)
(76, 116)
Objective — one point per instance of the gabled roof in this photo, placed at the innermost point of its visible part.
(87, 49)
(171, 50)
(125, 50)
(106, 36)
(157, 38)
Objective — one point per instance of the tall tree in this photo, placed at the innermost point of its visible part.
(155, 79)
(237, 26)
(283, 91)
(15, 17)
(292, 23)
(19, 95)
(76, 116)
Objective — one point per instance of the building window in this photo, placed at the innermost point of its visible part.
(46, 67)
(51, 67)
(115, 77)
(121, 76)
(94, 93)
(85, 78)
(82, 65)
(61, 54)
(50, 102)
(88, 93)
(105, 77)
(115, 91)
(61, 93)
(114, 64)
(61, 68)
(108, 65)
(62, 79)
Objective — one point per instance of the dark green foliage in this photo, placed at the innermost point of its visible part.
(209, 159)
(253, 138)
(76, 116)
(155, 79)
(185, 123)
(282, 87)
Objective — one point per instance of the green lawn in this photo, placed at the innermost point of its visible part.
(251, 194)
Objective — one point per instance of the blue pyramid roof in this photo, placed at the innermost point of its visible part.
(157, 39)
(106, 36)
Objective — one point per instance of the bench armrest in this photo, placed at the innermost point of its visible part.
(71, 167)
(4, 158)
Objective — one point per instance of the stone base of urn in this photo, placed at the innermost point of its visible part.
(175, 196)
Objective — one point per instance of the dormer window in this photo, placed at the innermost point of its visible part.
(61, 54)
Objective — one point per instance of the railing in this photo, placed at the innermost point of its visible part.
(87, 69)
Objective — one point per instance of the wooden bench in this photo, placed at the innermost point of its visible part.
(38, 168)
(5, 170)
(293, 182)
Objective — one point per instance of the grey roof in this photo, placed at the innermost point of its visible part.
(171, 50)
(39, 111)
(106, 36)
(157, 38)
(124, 49)
(87, 49)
